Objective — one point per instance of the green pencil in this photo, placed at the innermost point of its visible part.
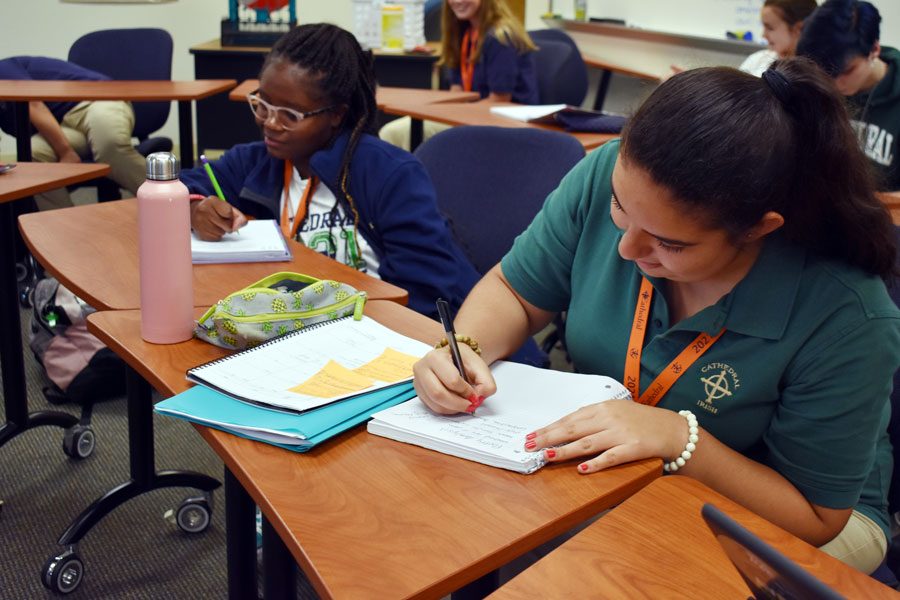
(212, 178)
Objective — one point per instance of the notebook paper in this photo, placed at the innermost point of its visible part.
(527, 398)
(315, 365)
(257, 241)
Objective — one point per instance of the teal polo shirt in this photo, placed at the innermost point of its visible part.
(801, 379)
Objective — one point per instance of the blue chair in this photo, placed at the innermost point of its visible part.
(491, 182)
(130, 54)
(561, 73)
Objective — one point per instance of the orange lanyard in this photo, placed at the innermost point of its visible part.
(667, 378)
(466, 66)
(287, 226)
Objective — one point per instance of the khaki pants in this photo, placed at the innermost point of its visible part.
(397, 131)
(100, 131)
(861, 544)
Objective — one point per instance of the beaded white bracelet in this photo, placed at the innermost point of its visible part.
(693, 438)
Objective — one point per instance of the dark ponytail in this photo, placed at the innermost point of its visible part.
(735, 146)
(346, 75)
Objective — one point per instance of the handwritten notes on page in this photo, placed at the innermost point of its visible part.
(314, 366)
(527, 398)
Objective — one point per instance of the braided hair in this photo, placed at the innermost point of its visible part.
(346, 76)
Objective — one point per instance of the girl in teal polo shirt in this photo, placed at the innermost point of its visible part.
(727, 261)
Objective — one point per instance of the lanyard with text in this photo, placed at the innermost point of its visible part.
(287, 226)
(466, 66)
(667, 378)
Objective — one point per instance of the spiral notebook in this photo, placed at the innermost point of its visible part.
(527, 398)
(315, 365)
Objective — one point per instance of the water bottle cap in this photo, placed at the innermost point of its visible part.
(162, 166)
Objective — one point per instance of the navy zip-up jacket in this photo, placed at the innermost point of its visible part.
(398, 214)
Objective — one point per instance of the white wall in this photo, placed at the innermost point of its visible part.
(48, 28)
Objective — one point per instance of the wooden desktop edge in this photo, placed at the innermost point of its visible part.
(39, 177)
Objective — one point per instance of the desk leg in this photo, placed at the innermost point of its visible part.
(144, 478)
(240, 535)
(23, 129)
(416, 133)
(12, 362)
(279, 568)
(481, 587)
(602, 88)
(186, 134)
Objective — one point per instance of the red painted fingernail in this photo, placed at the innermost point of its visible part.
(583, 466)
(531, 436)
(531, 445)
(551, 453)
(471, 409)
(473, 399)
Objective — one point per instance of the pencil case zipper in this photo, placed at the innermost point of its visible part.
(358, 299)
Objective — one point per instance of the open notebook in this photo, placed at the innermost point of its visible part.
(527, 398)
(315, 365)
(541, 113)
(257, 241)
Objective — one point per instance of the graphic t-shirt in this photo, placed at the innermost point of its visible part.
(327, 228)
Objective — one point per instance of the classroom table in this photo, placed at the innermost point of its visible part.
(24, 180)
(368, 517)
(384, 95)
(477, 113)
(93, 251)
(184, 92)
(106, 238)
(656, 545)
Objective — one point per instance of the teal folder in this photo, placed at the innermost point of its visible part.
(293, 431)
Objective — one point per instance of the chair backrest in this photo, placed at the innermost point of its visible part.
(561, 73)
(130, 54)
(492, 181)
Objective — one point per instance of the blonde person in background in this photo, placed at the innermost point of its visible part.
(782, 22)
(486, 50)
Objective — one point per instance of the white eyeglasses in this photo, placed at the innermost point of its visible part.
(288, 118)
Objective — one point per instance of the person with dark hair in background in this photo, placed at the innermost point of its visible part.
(327, 180)
(842, 37)
(782, 22)
(728, 260)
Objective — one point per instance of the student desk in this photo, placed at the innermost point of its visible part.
(383, 95)
(184, 92)
(76, 244)
(368, 517)
(26, 179)
(476, 113)
(656, 545)
(212, 60)
(93, 250)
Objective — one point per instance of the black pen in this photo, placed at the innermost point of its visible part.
(444, 313)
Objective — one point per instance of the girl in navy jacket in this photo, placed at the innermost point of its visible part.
(329, 183)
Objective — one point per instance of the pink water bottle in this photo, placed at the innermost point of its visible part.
(164, 232)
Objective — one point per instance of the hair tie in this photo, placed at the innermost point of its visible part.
(780, 87)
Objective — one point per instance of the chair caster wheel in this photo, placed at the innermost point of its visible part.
(63, 573)
(79, 442)
(193, 515)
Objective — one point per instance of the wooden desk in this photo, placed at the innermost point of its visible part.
(24, 180)
(214, 61)
(892, 200)
(656, 545)
(105, 236)
(478, 113)
(383, 95)
(184, 92)
(367, 517)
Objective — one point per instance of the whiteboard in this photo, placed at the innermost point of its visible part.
(712, 18)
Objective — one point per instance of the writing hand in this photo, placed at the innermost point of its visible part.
(211, 218)
(611, 433)
(441, 387)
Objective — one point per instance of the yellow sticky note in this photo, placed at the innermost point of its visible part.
(332, 380)
(391, 365)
